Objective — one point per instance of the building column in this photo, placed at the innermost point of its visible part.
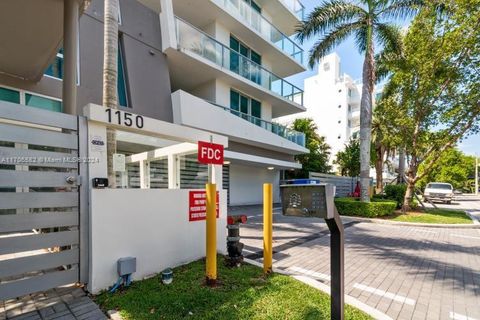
(71, 10)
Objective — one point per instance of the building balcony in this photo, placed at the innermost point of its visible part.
(195, 112)
(276, 128)
(30, 44)
(296, 7)
(243, 12)
(263, 35)
(199, 58)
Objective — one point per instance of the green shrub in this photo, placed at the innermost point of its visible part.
(375, 208)
(395, 192)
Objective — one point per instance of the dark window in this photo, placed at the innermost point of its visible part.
(243, 66)
(250, 109)
(255, 6)
(56, 68)
(121, 78)
(43, 103)
(234, 102)
(9, 95)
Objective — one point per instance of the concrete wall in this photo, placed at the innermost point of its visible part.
(148, 81)
(246, 184)
(148, 225)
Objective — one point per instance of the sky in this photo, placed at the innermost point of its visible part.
(351, 63)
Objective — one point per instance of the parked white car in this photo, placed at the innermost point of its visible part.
(439, 191)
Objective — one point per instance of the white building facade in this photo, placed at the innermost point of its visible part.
(333, 101)
(227, 62)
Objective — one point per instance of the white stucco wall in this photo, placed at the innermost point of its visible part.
(149, 224)
(246, 184)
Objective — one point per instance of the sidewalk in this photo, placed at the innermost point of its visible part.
(63, 303)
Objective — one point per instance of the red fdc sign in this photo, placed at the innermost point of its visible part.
(197, 208)
(210, 153)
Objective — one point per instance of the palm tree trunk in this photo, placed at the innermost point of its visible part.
(110, 60)
(366, 120)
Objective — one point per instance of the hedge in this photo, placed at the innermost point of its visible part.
(395, 192)
(375, 208)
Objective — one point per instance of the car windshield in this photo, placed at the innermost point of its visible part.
(439, 186)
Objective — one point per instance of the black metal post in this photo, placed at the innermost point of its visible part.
(336, 266)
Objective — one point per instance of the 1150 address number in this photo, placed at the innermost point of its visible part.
(128, 119)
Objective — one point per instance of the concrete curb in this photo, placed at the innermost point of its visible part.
(326, 289)
(475, 224)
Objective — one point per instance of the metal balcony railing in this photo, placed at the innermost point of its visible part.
(194, 40)
(296, 6)
(255, 20)
(278, 129)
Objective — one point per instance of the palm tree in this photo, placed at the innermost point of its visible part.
(368, 22)
(384, 146)
(110, 60)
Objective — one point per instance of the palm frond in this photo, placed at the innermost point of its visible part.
(389, 36)
(401, 9)
(361, 38)
(328, 16)
(323, 46)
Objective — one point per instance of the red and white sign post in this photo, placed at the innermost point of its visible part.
(211, 153)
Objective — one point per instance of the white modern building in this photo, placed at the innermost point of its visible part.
(332, 100)
(227, 61)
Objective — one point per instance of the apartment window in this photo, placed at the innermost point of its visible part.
(349, 92)
(122, 79)
(55, 70)
(246, 107)
(42, 102)
(255, 6)
(243, 66)
(9, 95)
(30, 99)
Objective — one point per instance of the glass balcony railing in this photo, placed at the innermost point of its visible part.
(244, 12)
(196, 41)
(295, 6)
(278, 129)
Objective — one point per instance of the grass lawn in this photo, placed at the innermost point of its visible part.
(243, 293)
(441, 216)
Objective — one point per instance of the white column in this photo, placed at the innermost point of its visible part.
(173, 172)
(144, 174)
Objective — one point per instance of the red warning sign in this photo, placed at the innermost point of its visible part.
(197, 207)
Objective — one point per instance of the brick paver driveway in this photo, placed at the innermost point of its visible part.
(407, 272)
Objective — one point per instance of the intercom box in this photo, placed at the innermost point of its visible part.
(308, 200)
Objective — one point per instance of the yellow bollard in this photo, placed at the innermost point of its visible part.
(211, 263)
(267, 227)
